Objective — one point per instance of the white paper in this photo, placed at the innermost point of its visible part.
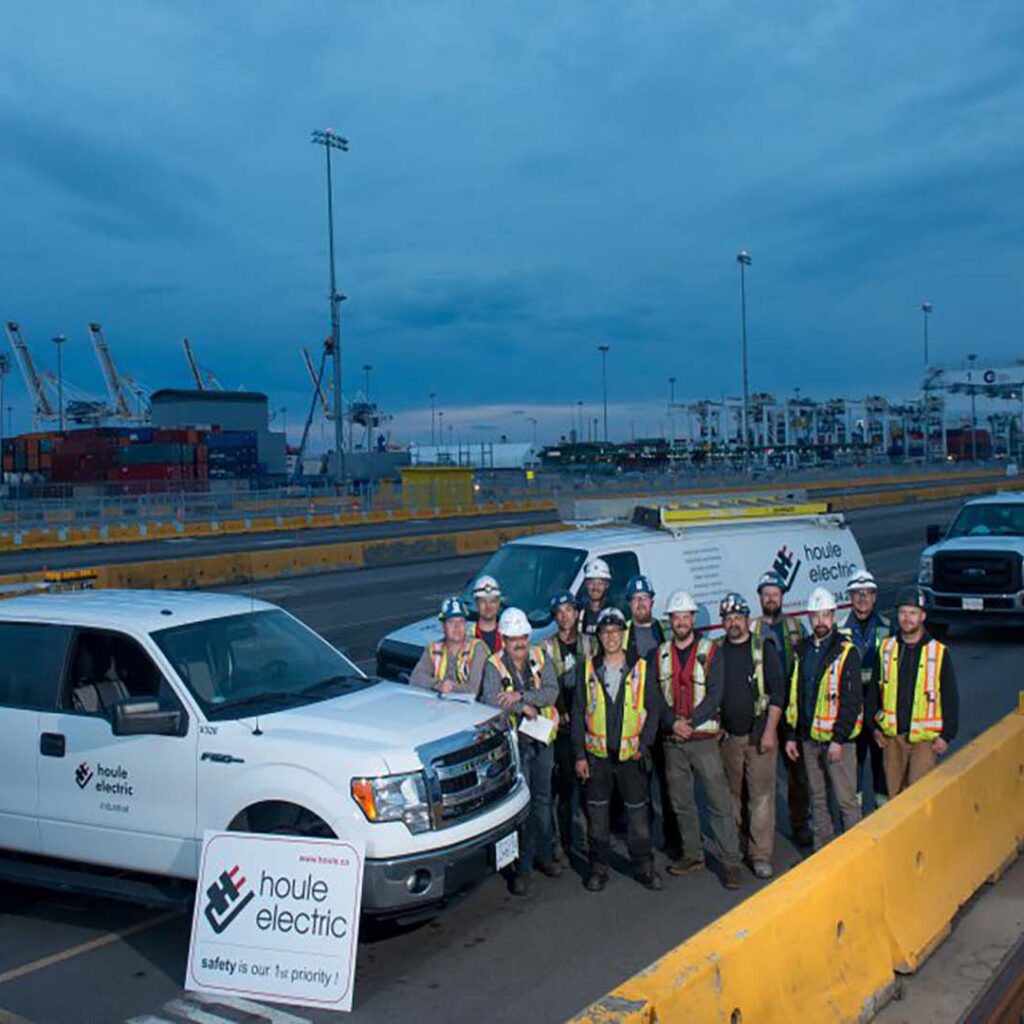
(539, 728)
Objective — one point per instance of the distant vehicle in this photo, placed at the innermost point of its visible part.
(132, 721)
(971, 571)
(707, 548)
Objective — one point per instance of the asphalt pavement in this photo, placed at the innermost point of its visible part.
(488, 956)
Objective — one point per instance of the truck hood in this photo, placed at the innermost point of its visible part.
(386, 720)
(987, 542)
(418, 634)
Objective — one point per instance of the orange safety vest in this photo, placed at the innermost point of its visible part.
(634, 714)
(926, 713)
(439, 659)
(826, 708)
(508, 684)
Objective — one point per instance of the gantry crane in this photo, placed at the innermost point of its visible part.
(317, 381)
(202, 384)
(119, 407)
(42, 407)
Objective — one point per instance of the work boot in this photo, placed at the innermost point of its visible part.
(731, 876)
(686, 866)
(561, 854)
(763, 870)
(597, 881)
(803, 837)
(520, 884)
(551, 868)
(650, 880)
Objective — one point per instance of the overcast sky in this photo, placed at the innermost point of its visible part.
(526, 181)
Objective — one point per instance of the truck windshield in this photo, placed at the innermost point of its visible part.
(529, 574)
(259, 661)
(990, 520)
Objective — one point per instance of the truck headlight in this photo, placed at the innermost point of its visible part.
(394, 798)
(925, 571)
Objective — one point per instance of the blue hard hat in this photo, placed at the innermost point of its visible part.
(639, 584)
(453, 608)
(562, 597)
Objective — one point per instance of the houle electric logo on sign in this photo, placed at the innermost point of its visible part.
(279, 919)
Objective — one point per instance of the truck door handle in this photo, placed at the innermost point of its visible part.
(52, 744)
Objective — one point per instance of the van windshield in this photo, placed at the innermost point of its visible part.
(990, 520)
(529, 574)
(256, 662)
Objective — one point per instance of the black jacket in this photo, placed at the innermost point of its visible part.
(654, 705)
(656, 631)
(851, 688)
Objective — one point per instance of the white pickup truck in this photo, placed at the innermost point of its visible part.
(132, 721)
(972, 571)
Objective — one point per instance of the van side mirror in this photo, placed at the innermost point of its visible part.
(143, 716)
(933, 533)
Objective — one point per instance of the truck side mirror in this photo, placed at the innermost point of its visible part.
(143, 716)
(933, 533)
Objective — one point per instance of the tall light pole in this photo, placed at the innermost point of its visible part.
(672, 407)
(743, 259)
(5, 368)
(533, 420)
(440, 423)
(59, 342)
(329, 140)
(603, 349)
(579, 409)
(974, 418)
(926, 309)
(432, 396)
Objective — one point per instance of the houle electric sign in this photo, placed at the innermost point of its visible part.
(277, 917)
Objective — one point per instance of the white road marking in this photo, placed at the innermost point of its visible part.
(267, 1013)
(188, 1010)
(148, 1019)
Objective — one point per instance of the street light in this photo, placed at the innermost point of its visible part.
(603, 349)
(533, 420)
(974, 418)
(329, 140)
(743, 259)
(5, 368)
(672, 407)
(432, 396)
(59, 342)
(440, 424)
(926, 309)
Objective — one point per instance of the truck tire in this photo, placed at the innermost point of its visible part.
(279, 818)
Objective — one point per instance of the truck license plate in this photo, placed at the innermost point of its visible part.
(972, 604)
(506, 850)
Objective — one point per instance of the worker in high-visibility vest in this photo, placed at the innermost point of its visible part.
(597, 581)
(567, 651)
(825, 715)
(690, 676)
(785, 631)
(520, 680)
(753, 696)
(916, 706)
(454, 664)
(867, 628)
(615, 717)
(487, 594)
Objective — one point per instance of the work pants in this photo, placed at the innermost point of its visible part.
(537, 760)
(630, 780)
(670, 824)
(751, 777)
(798, 797)
(685, 763)
(906, 762)
(565, 788)
(870, 760)
(842, 777)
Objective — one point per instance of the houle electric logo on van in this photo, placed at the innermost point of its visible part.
(226, 899)
(83, 774)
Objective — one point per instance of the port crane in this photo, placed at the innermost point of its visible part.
(119, 407)
(203, 383)
(42, 407)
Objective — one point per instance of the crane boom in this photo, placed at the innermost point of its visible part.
(115, 389)
(321, 394)
(192, 364)
(42, 407)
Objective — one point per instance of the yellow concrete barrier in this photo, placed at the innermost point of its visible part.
(824, 941)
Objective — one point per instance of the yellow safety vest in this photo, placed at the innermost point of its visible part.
(439, 659)
(634, 714)
(926, 713)
(554, 652)
(826, 708)
(508, 684)
(761, 701)
(701, 658)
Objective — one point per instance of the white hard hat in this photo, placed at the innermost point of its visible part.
(486, 586)
(821, 600)
(861, 580)
(513, 622)
(597, 569)
(680, 601)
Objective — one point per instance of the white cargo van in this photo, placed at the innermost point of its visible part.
(132, 721)
(708, 548)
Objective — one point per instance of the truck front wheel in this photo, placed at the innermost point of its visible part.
(275, 817)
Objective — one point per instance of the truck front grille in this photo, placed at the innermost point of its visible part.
(472, 777)
(977, 572)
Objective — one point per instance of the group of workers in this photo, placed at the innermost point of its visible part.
(616, 713)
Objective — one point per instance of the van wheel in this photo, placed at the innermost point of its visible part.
(281, 819)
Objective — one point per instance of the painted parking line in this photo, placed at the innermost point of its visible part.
(200, 1010)
(6, 1017)
(85, 947)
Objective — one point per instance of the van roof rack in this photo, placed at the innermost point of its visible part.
(711, 511)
